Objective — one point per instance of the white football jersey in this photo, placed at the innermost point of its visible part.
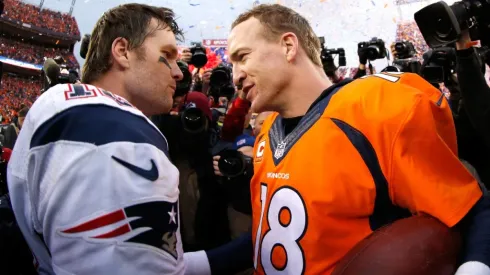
(92, 187)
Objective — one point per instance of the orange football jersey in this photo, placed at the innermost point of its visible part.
(373, 151)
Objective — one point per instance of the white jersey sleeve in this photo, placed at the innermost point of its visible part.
(92, 187)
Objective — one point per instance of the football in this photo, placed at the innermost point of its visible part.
(419, 245)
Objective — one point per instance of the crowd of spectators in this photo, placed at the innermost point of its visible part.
(45, 18)
(34, 54)
(16, 92)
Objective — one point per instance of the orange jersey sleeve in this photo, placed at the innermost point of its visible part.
(426, 174)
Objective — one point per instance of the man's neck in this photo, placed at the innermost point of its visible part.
(108, 83)
(308, 86)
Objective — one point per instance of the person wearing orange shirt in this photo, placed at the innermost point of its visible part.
(336, 162)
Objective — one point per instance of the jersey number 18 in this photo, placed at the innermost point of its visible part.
(284, 234)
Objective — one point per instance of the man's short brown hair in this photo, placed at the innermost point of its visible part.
(277, 20)
(130, 21)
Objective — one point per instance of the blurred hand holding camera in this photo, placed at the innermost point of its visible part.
(206, 76)
(186, 55)
(216, 167)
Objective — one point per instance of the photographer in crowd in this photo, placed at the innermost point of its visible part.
(453, 61)
(191, 134)
(475, 92)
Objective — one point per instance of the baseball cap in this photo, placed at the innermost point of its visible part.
(201, 101)
(244, 140)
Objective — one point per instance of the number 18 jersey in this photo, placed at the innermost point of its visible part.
(371, 152)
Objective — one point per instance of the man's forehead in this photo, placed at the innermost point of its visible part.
(244, 33)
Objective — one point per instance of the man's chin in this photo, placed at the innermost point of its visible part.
(258, 106)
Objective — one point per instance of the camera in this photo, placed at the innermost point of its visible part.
(55, 72)
(441, 24)
(233, 163)
(193, 119)
(404, 50)
(221, 82)
(439, 65)
(184, 85)
(374, 48)
(327, 58)
(199, 58)
(405, 66)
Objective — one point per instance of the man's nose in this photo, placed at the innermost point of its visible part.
(176, 72)
(238, 75)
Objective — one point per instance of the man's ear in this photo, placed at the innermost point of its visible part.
(290, 45)
(120, 48)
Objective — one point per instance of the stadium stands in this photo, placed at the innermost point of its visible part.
(17, 91)
(47, 19)
(32, 53)
(20, 42)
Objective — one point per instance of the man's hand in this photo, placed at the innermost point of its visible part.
(206, 76)
(362, 56)
(186, 55)
(215, 166)
(464, 41)
(393, 50)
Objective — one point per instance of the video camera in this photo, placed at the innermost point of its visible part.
(327, 58)
(199, 58)
(439, 65)
(441, 25)
(221, 82)
(374, 49)
(55, 72)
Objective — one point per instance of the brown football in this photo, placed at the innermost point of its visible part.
(419, 245)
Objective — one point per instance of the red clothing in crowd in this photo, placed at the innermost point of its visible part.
(235, 120)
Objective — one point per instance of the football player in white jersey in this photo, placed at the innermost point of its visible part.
(91, 185)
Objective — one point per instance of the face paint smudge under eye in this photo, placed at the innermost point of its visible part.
(164, 61)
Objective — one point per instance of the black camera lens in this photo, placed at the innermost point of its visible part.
(199, 59)
(232, 163)
(372, 52)
(193, 120)
(219, 77)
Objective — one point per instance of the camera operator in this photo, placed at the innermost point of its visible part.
(475, 92)
(461, 67)
(369, 51)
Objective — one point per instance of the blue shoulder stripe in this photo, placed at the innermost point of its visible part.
(98, 125)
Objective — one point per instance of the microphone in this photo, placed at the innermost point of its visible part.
(51, 71)
(84, 46)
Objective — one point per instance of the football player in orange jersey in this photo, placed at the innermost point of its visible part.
(337, 162)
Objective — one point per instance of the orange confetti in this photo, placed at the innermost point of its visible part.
(321, 1)
(57, 41)
(386, 5)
